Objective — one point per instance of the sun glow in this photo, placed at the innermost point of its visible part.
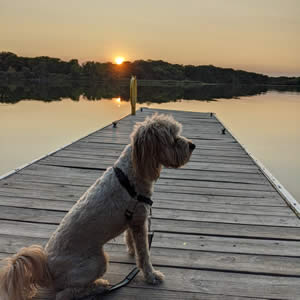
(119, 60)
(118, 101)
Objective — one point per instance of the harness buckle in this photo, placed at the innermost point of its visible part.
(128, 214)
(131, 209)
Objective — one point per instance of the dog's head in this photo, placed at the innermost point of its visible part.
(157, 142)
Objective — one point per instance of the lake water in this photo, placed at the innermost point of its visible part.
(267, 123)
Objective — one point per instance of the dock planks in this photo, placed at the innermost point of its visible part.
(222, 231)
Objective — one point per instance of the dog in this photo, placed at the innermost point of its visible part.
(73, 261)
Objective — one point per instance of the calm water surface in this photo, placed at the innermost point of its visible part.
(267, 124)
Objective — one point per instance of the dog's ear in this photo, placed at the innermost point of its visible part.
(145, 152)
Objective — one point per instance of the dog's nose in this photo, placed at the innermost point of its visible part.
(192, 146)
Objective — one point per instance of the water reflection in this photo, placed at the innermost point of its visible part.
(158, 92)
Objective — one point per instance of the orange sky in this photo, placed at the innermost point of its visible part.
(255, 35)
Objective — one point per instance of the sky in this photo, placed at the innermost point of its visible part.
(256, 35)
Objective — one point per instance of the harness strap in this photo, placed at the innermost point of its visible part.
(124, 181)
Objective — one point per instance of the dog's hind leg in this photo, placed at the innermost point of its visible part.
(72, 293)
(85, 278)
(140, 236)
(78, 293)
(129, 242)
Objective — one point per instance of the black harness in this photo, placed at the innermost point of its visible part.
(124, 181)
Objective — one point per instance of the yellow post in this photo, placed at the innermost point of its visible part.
(133, 94)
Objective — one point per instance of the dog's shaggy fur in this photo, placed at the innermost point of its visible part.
(73, 260)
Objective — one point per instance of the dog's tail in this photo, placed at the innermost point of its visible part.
(23, 273)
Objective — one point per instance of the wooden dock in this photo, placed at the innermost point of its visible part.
(222, 231)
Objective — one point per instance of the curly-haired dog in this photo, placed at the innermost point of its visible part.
(73, 260)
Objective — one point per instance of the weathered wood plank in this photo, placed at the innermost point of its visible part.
(196, 175)
(220, 199)
(72, 195)
(11, 244)
(227, 218)
(222, 261)
(224, 208)
(201, 149)
(216, 184)
(19, 229)
(107, 162)
(173, 226)
(54, 217)
(197, 155)
(67, 191)
(31, 215)
(222, 283)
(194, 158)
(158, 203)
(267, 201)
(239, 258)
(201, 133)
(226, 229)
(219, 144)
(47, 204)
(19, 181)
(130, 293)
(227, 244)
(217, 191)
(209, 133)
(88, 179)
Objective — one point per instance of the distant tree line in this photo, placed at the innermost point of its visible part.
(48, 69)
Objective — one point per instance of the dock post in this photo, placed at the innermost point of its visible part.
(133, 94)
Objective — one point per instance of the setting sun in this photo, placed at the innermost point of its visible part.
(119, 60)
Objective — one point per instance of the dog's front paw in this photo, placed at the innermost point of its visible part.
(131, 251)
(155, 277)
(101, 282)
